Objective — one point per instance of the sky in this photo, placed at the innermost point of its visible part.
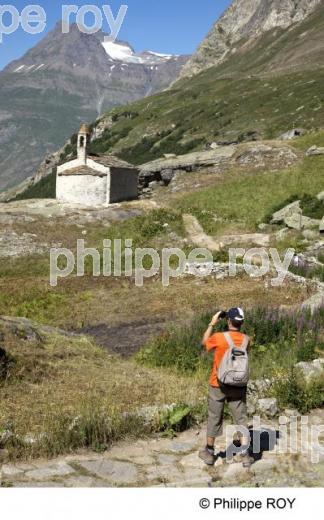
(166, 26)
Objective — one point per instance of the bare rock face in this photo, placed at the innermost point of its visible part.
(245, 19)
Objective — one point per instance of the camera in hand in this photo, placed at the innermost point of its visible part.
(223, 315)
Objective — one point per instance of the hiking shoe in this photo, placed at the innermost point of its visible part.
(208, 456)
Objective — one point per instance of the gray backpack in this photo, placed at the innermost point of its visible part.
(234, 367)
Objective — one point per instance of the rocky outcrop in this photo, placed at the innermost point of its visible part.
(315, 150)
(163, 171)
(292, 216)
(291, 209)
(292, 134)
(268, 407)
(300, 222)
(245, 20)
(14, 245)
(28, 330)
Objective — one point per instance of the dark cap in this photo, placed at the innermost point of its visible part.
(236, 314)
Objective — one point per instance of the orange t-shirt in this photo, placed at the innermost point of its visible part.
(219, 343)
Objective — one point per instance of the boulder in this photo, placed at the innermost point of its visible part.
(167, 175)
(211, 146)
(320, 196)
(291, 209)
(311, 369)
(299, 222)
(153, 184)
(314, 150)
(292, 134)
(259, 387)
(268, 407)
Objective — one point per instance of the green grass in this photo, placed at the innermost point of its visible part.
(294, 392)
(248, 199)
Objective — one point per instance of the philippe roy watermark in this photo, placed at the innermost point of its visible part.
(294, 435)
(118, 258)
(88, 18)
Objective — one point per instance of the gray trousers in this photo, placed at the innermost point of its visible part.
(236, 399)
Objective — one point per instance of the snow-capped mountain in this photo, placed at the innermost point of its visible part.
(65, 79)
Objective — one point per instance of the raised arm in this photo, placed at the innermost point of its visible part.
(209, 330)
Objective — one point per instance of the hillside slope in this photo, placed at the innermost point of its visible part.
(259, 93)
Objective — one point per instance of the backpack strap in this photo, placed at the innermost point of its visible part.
(245, 343)
(229, 340)
(231, 343)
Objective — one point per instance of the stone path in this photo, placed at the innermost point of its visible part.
(170, 463)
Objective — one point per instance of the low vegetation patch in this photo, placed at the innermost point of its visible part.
(60, 393)
(280, 339)
(292, 391)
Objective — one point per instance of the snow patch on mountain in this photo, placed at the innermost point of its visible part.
(121, 52)
(160, 55)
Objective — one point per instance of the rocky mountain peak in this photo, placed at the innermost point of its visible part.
(246, 19)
